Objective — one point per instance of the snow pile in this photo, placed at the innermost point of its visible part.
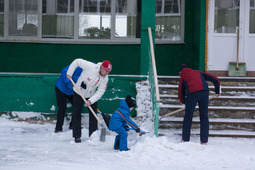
(144, 106)
(143, 99)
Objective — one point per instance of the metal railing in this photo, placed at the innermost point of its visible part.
(153, 79)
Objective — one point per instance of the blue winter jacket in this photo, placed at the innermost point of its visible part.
(65, 85)
(117, 120)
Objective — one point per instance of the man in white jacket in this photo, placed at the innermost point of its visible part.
(92, 84)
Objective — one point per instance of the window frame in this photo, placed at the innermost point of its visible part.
(181, 14)
(76, 39)
(3, 13)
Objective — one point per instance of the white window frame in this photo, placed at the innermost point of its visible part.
(76, 39)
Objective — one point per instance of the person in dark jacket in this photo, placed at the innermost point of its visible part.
(120, 123)
(193, 89)
(64, 91)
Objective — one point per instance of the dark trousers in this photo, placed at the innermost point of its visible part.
(200, 97)
(61, 102)
(77, 108)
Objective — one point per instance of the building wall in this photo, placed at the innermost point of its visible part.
(51, 58)
(20, 92)
(169, 57)
(23, 92)
(127, 59)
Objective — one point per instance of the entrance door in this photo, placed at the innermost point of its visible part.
(226, 19)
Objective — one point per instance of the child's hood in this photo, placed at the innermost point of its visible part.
(123, 105)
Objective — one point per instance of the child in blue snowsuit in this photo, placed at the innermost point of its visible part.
(64, 90)
(120, 122)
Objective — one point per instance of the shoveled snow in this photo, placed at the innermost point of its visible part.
(29, 146)
(26, 146)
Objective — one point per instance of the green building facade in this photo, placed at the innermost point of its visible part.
(30, 68)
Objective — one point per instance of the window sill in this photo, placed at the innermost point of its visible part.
(68, 41)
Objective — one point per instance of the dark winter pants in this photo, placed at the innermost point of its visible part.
(200, 97)
(61, 102)
(77, 108)
(122, 138)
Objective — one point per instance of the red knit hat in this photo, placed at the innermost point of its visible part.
(106, 65)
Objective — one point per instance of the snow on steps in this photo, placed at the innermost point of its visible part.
(211, 87)
(243, 131)
(210, 107)
(231, 115)
(221, 97)
(212, 133)
(215, 123)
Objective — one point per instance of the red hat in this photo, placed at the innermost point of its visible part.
(106, 65)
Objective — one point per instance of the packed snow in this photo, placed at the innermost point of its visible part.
(27, 145)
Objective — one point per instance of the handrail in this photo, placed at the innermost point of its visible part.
(154, 66)
(153, 79)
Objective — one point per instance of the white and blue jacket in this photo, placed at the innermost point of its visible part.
(90, 76)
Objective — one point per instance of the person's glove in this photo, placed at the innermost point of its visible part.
(126, 128)
(137, 130)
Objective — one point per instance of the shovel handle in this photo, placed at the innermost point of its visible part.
(79, 92)
(181, 109)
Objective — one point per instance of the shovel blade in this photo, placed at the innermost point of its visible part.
(102, 135)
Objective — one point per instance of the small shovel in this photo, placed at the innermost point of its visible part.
(179, 110)
(106, 118)
(103, 130)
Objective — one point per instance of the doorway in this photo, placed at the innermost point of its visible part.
(231, 30)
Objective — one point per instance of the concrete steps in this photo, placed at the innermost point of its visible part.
(232, 113)
(212, 133)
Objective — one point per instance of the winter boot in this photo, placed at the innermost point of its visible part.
(57, 131)
(77, 140)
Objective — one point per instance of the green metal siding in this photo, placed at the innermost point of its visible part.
(148, 20)
(169, 57)
(51, 58)
(37, 93)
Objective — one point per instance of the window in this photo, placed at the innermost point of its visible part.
(226, 16)
(1, 18)
(76, 20)
(169, 20)
(126, 19)
(58, 19)
(252, 17)
(23, 17)
(95, 19)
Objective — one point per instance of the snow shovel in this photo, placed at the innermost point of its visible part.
(236, 68)
(140, 133)
(106, 118)
(177, 111)
(103, 130)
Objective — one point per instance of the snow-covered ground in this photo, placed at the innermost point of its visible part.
(26, 146)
